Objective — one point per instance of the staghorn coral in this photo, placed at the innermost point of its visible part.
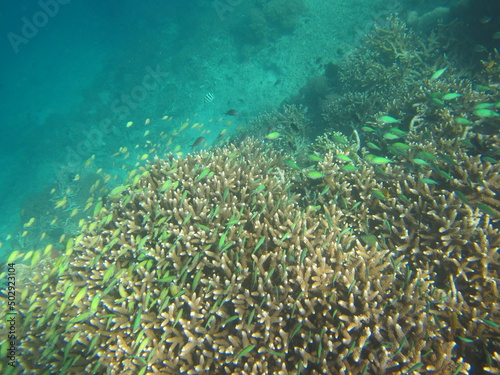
(292, 124)
(491, 68)
(437, 229)
(392, 57)
(208, 264)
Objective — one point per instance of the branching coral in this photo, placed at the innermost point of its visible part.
(292, 124)
(208, 264)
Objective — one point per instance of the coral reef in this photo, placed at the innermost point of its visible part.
(210, 263)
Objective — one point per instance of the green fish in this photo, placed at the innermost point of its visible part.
(428, 181)
(438, 102)
(314, 174)
(461, 196)
(369, 239)
(373, 146)
(437, 74)
(378, 194)
(467, 143)
(391, 136)
(203, 174)
(397, 151)
(118, 190)
(387, 120)
(462, 121)
(258, 189)
(447, 159)
(404, 198)
(339, 139)
(349, 168)
(401, 146)
(486, 209)
(378, 159)
(367, 129)
(444, 174)
(292, 164)
(272, 135)
(451, 96)
(426, 155)
(484, 105)
(314, 157)
(397, 131)
(484, 112)
(420, 161)
(343, 157)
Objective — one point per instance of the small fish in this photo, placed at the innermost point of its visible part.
(490, 160)
(292, 164)
(485, 19)
(314, 174)
(378, 159)
(451, 96)
(448, 159)
(480, 48)
(232, 112)
(426, 155)
(222, 134)
(377, 193)
(401, 146)
(209, 97)
(485, 112)
(198, 142)
(467, 143)
(428, 181)
(462, 121)
(387, 120)
(397, 131)
(339, 139)
(373, 146)
(487, 209)
(272, 135)
(496, 35)
(420, 161)
(314, 157)
(438, 102)
(343, 157)
(484, 105)
(438, 73)
(391, 136)
(349, 168)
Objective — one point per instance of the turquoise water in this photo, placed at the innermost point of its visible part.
(67, 67)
